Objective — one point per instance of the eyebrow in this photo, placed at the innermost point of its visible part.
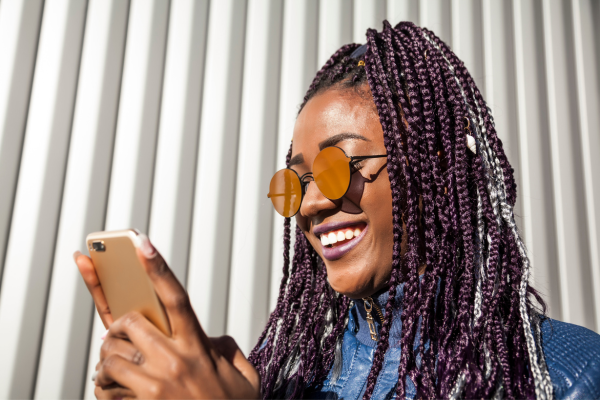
(332, 141)
(297, 159)
(340, 137)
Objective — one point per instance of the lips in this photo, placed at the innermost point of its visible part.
(338, 238)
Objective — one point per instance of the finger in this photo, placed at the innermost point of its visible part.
(88, 273)
(170, 292)
(136, 328)
(124, 348)
(113, 392)
(229, 349)
(116, 369)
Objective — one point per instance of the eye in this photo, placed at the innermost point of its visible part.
(355, 166)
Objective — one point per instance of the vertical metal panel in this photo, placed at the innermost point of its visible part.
(438, 18)
(298, 67)
(557, 180)
(19, 32)
(173, 189)
(502, 102)
(587, 153)
(248, 306)
(137, 125)
(521, 119)
(335, 27)
(211, 239)
(402, 10)
(37, 202)
(467, 34)
(487, 88)
(589, 17)
(536, 192)
(69, 311)
(367, 14)
(579, 281)
(576, 290)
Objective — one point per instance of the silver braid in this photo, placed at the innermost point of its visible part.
(496, 190)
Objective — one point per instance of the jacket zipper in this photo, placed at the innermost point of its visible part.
(369, 305)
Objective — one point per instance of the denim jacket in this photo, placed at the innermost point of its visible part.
(572, 356)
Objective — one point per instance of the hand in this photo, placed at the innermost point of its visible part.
(137, 356)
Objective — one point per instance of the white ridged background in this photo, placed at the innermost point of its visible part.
(171, 117)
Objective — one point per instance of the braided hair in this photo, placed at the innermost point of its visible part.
(473, 306)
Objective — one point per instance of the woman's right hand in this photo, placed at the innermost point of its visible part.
(88, 272)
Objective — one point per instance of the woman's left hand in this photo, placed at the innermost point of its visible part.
(137, 356)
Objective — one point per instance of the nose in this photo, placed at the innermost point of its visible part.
(314, 202)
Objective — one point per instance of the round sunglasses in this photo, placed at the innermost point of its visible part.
(331, 171)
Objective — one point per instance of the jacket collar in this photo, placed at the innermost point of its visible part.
(357, 322)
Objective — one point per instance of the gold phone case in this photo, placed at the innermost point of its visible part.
(124, 281)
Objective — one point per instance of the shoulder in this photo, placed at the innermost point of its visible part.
(572, 354)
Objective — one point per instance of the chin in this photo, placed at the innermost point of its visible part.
(350, 285)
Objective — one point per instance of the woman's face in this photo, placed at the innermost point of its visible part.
(359, 266)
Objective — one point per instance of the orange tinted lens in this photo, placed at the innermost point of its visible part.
(285, 192)
(331, 171)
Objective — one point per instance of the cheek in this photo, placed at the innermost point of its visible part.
(377, 203)
(301, 222)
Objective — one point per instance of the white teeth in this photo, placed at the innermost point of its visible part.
(332, 238)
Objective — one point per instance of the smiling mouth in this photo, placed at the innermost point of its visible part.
(338, 237)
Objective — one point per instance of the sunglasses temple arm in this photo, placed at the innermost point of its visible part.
(365, 157)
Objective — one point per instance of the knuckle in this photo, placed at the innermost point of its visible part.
(161, 267)
(99, 393)
(131, 319)
(110, 363)
(155, 389)
(177, 368)
(228, 341)
(106, 348)
(180, 301)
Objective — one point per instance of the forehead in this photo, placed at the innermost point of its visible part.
(331, 113)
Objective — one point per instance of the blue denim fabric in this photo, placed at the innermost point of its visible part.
(572, 354)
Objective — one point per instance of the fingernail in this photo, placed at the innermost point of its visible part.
(104, 335)
(94, 375)
(75, 255)
(143, 243)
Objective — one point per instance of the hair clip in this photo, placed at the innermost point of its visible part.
(361, 63)
(471, 144)
(426, 53)
(359, 51)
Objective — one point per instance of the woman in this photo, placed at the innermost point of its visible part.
(408, 276)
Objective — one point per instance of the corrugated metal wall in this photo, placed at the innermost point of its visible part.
(172, 116)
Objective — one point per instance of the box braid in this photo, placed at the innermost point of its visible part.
(472, 307)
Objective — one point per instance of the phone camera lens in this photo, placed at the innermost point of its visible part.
(98, 246)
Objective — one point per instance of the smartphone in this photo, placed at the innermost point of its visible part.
(124, 281)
